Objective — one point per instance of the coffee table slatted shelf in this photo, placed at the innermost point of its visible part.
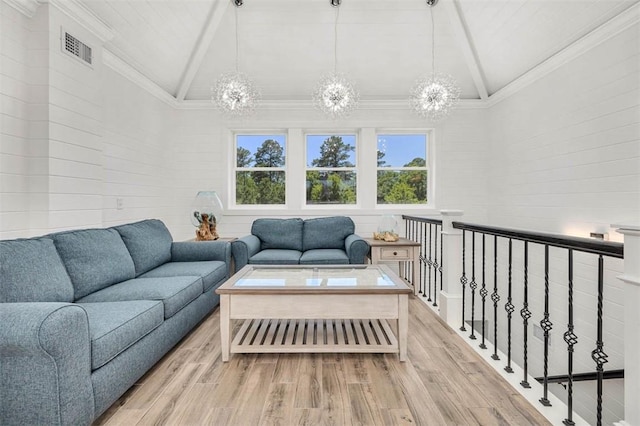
(315, 335)
(314, 308)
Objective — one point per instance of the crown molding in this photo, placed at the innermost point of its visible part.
(121, 67)
(78, 12)
(26, 7)
(599, 35)
(367, 105)
(72, 8)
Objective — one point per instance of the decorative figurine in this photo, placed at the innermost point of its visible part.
(207, 229)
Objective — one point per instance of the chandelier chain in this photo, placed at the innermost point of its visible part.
(433, 41)
(335, 41)
(237, 49)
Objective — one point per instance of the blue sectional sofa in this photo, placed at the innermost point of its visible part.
(84, 314)
(324, 240)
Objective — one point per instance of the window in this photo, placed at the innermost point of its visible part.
(402, 169)
(260, 169)
(331, 169)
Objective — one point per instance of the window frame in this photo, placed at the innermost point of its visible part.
(429, 168)
(233, 202)
(356, 169)
(295, 169)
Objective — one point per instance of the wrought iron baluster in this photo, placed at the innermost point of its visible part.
(473, 285)
(429, 262)
(571, 339)
(423, 262)
(526, 314)
(598, 355)
(546, 326)
(483, 293)
(409, 265)
(441, 257)
(495, 298)
(435, 270)
(463, 279)
(420, 259)
(509, 308)
(402, 270)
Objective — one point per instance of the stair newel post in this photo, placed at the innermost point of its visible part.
(451, 293)
(631, 279)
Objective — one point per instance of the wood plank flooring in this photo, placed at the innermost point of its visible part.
(443, 383)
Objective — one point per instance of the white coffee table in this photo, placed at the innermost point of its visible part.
(324, 308)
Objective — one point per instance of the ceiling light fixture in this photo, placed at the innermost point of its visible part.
(335, 95)
(234, 92)
(435, 95)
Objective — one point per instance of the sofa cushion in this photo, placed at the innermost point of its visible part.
(212, 272)
(326, 232)
(94, 258)
(114, 326)
(174, 292)
(31, 271)
(148, 242)
(276, 257)
(278, 233)
(324, 257)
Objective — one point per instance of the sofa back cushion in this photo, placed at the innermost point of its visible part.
(326, 232)
(94, 258)
(148, 242)
(278, 233)
(31, 271)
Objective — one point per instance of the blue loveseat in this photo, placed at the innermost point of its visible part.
(323, 240)
(84, 314)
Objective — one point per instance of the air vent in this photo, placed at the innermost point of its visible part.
(75, 47)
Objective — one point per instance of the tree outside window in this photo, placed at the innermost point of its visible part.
(402, 169)
(260, 169)
(331, 169)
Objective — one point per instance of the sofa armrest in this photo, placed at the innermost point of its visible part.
(45, 364)
(243, 248)
(200, 251)
(357, 249)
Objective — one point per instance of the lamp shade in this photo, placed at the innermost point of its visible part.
(209, 204)
(206, 213)
(387, 229)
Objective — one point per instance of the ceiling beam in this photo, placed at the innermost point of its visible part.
(462, 35)
(201, 48)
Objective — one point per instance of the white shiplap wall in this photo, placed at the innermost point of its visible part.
(75, 138)
(565, 158)
(137, 168)
(75, 130)
(200, 143)
(23, 97)
(14, 131)
(565, 150)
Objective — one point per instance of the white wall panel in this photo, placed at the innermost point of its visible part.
(565, 158)
(75, 129)
(199, 148)
(21, 47)
(136, 162)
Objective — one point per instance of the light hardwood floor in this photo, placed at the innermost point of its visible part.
(443, 383)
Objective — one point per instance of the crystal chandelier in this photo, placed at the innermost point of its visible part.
(234, 92)
(335, 95)
(435, 95)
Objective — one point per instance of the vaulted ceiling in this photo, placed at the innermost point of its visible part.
(285, 46)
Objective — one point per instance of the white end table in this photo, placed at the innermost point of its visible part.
(403, 250)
